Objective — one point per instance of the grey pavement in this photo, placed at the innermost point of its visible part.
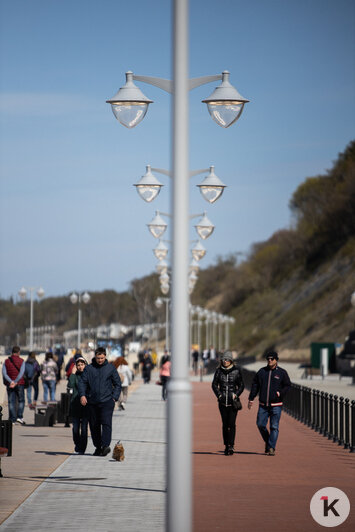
(88, 493)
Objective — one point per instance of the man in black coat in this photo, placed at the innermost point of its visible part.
(271, 383)
(99, 388)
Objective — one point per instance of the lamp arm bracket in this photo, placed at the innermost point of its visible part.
(161, 171)
(165, 214)
(196, 82)
(195, 215)
(164, 84)
(196, 172)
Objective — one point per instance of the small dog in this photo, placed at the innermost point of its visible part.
(118, 452)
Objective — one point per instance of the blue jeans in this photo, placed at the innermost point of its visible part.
(48, 386)
(29, 392)
(264, 413)
(80, 433)
(14, 395)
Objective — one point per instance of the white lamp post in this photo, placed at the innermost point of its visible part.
(352, 299)
(225, 106)
(158, 303)
(78, 298)
(23, 294)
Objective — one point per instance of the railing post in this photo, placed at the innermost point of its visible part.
(313, 425)
(341, 421)
(352, 447)
(317, 428)
(346, 423)
(331, 417)
(322, 423)
(326, 410)
(336, 419)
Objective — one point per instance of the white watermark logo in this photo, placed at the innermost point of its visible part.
(330, 507)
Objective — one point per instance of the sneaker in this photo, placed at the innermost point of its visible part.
(97, 452)
(231, 450)
(271, 452)
(226, 450)
(21, 421)
(123, 406)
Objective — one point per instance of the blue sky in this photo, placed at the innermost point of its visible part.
(70, 217)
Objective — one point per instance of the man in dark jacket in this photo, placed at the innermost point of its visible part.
(271, 383)
(13, 370)
(99, 388)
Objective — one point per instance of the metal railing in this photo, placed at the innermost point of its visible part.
(330, 415)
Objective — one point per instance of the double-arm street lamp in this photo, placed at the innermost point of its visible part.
(78, 298)
(23, 295)
(225, 106)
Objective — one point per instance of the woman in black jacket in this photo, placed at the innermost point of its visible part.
(228, 385)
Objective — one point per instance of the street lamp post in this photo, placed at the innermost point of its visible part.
(225, 106)
(78, 298)
(23, 295)
(158, 303)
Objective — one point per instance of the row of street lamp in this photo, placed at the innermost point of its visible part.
(225, 105)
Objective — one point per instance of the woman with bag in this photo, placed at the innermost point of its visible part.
(228, 385)
(49, 370)
(165, 375)
(126, 376)
(79, 414)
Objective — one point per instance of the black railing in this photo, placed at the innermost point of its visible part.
(332, 416)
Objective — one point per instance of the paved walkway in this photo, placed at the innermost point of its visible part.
(88, 493)
(246, 491)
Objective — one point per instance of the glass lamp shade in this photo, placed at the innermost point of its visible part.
(198, 251)
(129, 114)
(40, 292)
(194, 267)
(225, 114)
(352, 299)
(159, 302)
(22, 293)
(211, 187)
(161, 251)
(204, 228)
(148, 187)
(164, 278)
(164, 289)
(157, 226)
(225, 104)
(86, 297)
(162, 267)
(129, 105)
(74, 298)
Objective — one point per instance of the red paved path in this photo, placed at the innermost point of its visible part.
(253, 492)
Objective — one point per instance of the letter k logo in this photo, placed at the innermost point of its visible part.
(329, 507)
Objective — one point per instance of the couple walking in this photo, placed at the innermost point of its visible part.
(270, 382)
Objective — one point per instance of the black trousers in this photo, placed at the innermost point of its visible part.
(100, 422)
(229, 416)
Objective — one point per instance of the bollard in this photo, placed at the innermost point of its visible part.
(331, 418)
(336, 420)
(346, 424)
(352, 447)
(341, 421)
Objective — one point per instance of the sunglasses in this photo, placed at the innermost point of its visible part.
(270, 358)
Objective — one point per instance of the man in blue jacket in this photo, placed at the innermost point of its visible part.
(271, 383)
(99, 387)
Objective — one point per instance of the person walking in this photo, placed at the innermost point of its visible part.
(99, 387)
(13, 371)
(165, 366)
(79, 414)
(126, 376)
(227, 386)
(49, 370)
(147, 366)
(271, 383)
(32, 372)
